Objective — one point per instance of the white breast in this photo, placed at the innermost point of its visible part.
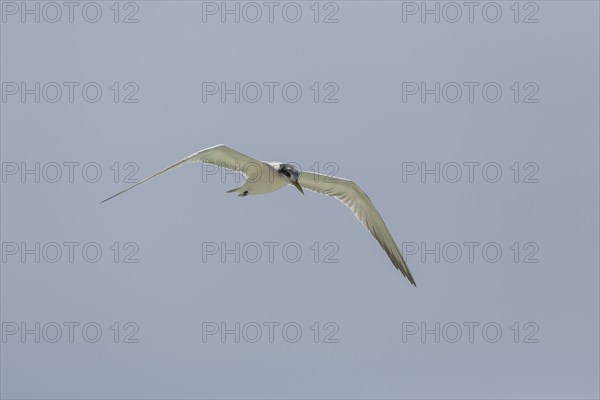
(263, 180)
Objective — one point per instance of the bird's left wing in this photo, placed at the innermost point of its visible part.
(219, 155)
(353, 197)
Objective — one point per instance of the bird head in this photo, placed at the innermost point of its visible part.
(291, 174)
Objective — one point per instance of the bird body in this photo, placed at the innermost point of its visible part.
(266, 177)
(261, 179)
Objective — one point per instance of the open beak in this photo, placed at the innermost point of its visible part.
(298, 187)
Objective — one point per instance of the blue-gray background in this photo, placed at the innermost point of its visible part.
(369, 133)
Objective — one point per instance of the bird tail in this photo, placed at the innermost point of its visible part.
(242, 193)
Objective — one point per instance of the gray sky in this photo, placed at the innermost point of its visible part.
(527, 316)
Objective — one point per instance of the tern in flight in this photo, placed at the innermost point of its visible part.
(266, 177)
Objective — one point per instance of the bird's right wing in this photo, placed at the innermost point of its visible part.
(219, 155)
(353, 197)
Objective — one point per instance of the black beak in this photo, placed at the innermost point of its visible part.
(295, 183)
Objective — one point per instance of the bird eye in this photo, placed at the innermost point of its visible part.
(286, 173)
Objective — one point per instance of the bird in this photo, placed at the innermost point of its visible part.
(264, 177)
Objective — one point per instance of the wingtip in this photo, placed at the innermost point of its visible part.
(411, 279)
(105, 200)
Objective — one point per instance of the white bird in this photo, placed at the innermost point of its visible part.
(266, 177)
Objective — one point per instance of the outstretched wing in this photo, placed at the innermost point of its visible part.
(353, 197)
(219, 155)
